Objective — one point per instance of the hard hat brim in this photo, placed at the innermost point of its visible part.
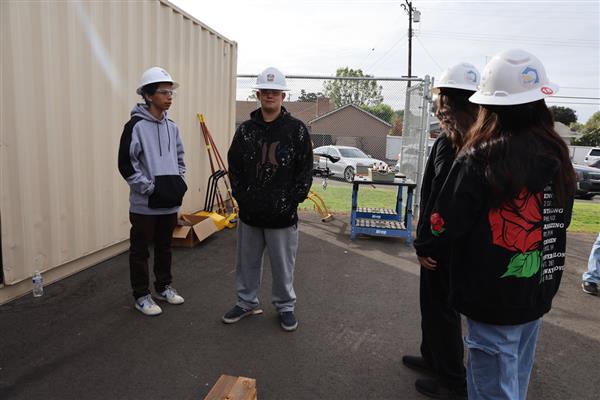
(271, 86)
(139, 90)
(436, 88)
(547, 90)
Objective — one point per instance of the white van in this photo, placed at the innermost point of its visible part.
(592, 155)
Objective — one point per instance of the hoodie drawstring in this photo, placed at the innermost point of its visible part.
(158, 135)
(169, 136)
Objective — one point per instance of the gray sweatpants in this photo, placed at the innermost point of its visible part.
(281, 245)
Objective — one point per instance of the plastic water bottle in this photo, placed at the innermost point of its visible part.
(38, 284)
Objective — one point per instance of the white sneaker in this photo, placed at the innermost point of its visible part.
(147, 305)
(170, 295)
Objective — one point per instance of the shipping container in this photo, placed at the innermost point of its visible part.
(69, 72)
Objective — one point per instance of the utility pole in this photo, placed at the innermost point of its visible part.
(413, 15)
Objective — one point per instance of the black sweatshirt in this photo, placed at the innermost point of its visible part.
(270, 167)
(506, 263)
(438, 165)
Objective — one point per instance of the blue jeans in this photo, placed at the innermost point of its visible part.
(593, 273)
(500, 359)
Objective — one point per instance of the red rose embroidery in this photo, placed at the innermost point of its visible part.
(437, 224)
(517, 226)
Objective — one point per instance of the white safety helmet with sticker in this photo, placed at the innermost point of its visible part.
(460, 76)
(513, 77)
(271, 78)
(154, 75)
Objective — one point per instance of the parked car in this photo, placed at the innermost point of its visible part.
(588, 181)
(595, 164)
(592, 155)
(350, 157)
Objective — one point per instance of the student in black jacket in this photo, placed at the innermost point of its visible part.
(441, 344)
(503, 212)
(270, 166)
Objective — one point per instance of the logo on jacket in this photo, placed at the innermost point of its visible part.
(267, 167)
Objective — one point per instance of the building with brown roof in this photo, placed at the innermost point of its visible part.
(350, 125)
(303, 110)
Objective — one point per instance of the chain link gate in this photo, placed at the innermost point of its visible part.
(415, 136)
(391, 125)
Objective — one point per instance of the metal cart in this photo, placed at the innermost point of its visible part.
(382, 221)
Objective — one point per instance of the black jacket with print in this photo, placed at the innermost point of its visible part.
(506, 263)
(438, 165)
(270, 167)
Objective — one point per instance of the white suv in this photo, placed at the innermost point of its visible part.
(592, 155)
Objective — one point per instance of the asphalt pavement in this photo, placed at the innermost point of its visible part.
(358, 312)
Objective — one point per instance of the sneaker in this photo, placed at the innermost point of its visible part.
(288, 321)
(437, 389)
(418, 364)
(590, 288)
(170, 295)
(236, 313)
(147, 305)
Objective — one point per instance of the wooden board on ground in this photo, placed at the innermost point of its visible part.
(233, 388)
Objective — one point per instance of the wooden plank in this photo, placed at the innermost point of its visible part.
(244, 389)
(233, 388)
(220, 390)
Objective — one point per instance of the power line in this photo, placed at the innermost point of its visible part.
(580, 43)
(515, 37)
(386, 53)
(430, 56)
(571, 103)
(576, 97)
(580, 87)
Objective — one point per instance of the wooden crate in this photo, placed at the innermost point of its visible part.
(233, 388)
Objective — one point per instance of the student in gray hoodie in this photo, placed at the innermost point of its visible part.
(151, 161)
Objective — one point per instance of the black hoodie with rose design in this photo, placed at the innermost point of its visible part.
(506, 262)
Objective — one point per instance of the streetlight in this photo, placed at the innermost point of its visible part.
(414, 15)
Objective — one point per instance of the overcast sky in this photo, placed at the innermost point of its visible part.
(311, 37)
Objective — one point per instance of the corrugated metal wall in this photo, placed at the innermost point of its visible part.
(69, 74)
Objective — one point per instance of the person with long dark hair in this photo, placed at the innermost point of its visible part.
(441, 344)
(503, 211)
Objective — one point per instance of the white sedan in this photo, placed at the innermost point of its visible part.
(350, 157)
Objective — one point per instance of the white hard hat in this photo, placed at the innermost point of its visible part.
(513, 77)
(153, 75)
(271, 78)
(460, 76)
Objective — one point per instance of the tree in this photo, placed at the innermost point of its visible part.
(357, 92)
(590, 138)
(396, 126)
(591, 132)
(576, 127)
(309, 97)
(382, 111)
(565, 115)
(593, 122)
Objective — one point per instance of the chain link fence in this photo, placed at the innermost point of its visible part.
(370, 118)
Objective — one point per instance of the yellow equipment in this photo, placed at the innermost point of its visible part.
(226, 214)
(320, 206)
